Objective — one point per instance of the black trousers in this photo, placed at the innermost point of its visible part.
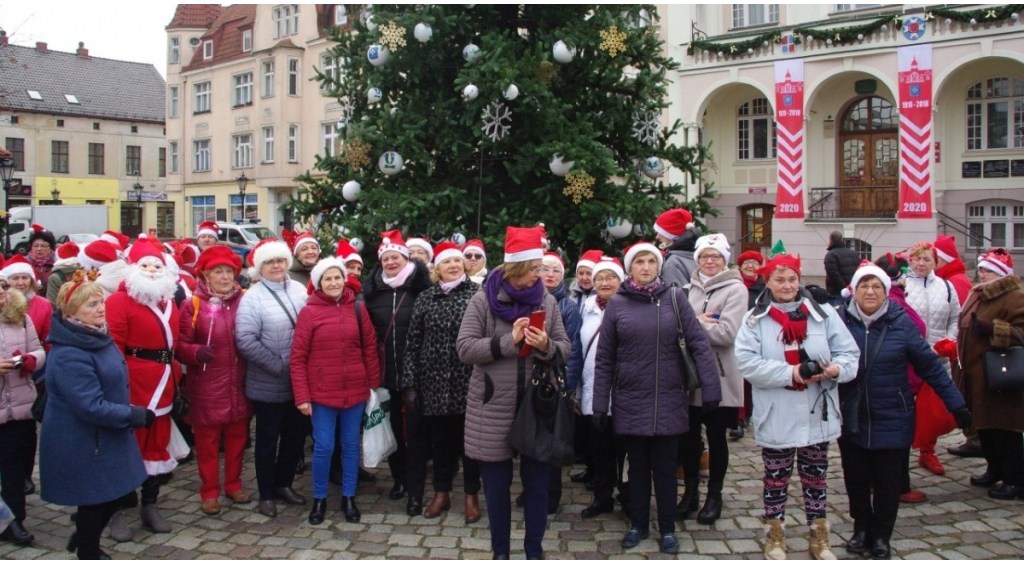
(873, 482)
(443, 435)
(281, 431)
(497, 478)
(397, 462)
(716, 425)
(582, 440)
(608, 452)
(91, 521)
(17, 447)
(652, 458)
(905, 472)
(1004, 452)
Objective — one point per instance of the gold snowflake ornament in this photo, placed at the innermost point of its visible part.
(392, 35)
(578, 186)
(613, 41)
(356, 154)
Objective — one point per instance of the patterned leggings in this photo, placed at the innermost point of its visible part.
(778, 468)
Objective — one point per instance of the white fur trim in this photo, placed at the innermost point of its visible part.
(661, 231)
(715, 241)
(995, 266)
(73, 261)
(18, 268)
(306, 239)
(637, 249)
(323, 266)
(609, 265)
(216, 234)
(943, 255)
(272, 250)
(423, 244)
(587, 263)
(477, 247)
(447, 254)
(387, 246)
(864, 271)
(522, 256)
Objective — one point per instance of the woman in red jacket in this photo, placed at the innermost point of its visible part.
(334, 369)
(215, 385)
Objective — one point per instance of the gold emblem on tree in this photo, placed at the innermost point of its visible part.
(392, 35)
(355, 154)
(578, 186)
(613, 41)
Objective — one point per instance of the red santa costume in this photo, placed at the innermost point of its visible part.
(144, 323)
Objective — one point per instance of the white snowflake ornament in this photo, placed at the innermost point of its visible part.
(497, 121)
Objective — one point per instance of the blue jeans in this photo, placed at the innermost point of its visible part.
(326, 423)
(497, 478)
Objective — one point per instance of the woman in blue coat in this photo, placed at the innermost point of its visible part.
(875, 439)
(88, 456)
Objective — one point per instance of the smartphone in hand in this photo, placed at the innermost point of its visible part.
(536, 321)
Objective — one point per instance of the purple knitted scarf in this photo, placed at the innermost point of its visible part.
(523, 301)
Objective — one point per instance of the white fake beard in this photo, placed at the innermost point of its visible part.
(147, 290)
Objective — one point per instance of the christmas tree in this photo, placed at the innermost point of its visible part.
(462, 120)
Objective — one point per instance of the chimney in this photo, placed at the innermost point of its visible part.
(82, 51)
(3, 37)
(41, 47)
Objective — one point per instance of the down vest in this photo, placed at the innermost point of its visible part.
(334, 359)
(263, 333)
(887, 415)
(485, 341)
(639, 365)
(17, 333)
(936, 301)
(215, 390)
(726, 295)
(382, 301)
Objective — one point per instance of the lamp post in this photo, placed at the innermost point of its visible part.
(6, 173)
(242, 183)
(56, 196)
(137, 188)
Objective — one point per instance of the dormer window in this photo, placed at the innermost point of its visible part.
(207, 50)
(340, 15)
(34, 94)
(71, 98)
(247, 41)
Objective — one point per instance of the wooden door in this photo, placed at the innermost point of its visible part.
(756, 228)
(869, 158)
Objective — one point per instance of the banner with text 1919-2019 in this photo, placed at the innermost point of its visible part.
(789, 120)
(915, 91)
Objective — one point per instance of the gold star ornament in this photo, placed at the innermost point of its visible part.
(613, 41)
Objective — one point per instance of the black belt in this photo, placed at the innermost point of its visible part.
(163, 356)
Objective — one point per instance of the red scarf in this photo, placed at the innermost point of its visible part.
(601, 303)
(794, 331)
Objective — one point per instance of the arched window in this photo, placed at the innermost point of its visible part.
(995, 114)
(755, 131)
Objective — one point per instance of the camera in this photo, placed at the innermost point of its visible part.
(18, 362)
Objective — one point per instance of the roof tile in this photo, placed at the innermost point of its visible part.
(194, 15)
(226, 34)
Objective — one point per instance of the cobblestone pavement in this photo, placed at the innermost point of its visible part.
(957, 522)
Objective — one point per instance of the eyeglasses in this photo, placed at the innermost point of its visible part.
(876, 289)
(706, 258)
(606, 280)
(472, 256)
(750, 262)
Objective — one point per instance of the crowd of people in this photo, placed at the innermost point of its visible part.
(143, 354)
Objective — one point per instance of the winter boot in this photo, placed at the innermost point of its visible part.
(152, 520)
(118, 527)
(775, 542)
(690, 502)
(818, 542)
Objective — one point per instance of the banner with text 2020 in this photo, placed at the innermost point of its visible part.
(915, 79)
(789, 120)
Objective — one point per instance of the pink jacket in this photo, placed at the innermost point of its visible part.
(18, 333)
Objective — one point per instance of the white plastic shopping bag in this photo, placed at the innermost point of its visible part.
(378, 439)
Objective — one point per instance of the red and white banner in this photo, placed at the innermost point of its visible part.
(789, 126)
(915, 76)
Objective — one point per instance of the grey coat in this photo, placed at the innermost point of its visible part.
(726, 295)
(264, 333)
(639, 365)
(485, 341)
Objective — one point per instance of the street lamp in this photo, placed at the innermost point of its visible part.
(137, 188)
(242, 182)
(6, 173)
(56, 195)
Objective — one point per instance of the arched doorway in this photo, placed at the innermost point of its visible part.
(868, 163)
(756, 227)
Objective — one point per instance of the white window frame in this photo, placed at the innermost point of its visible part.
(268, 143)
(204, 208)
(330, 139)
(173, 100)
(330, 67)
(286, 20)
(207, 49)
(749, 112)
(236, 210)
(340, 15)
(247, 41)
(201, 155)
(1001, 221)
(241, 145)
(267, 77)
(855, 7)
(743, 15)
(174, 51)
(294, 77)
(981, 97)
(203, 93)
(242, 93)
(293, 143)
(172, 157)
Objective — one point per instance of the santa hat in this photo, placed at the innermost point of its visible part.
(268, 249)
(185, 253)
(867, 269)
(640, 246)
(998, 260)
(208, 228)
(715, 241)
(779, 258)
(67, 254)
(524, 243)
(611, 264)
(445, 251)
(119, 240)
(945, 248)
(346, 252)
(392, 241)
(97, 254)
(750, 255)
(554, 258)
(318, 272)
(423, 244)
(218, 255)
(673, 223)
(476, 244)
(17, 265)
(36, 228)
(144, 248)
(589, 259)
(302, 239)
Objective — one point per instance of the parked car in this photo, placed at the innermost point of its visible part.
(80, 239)
(242, 237)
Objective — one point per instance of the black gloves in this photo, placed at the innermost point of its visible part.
(963, 417)
(601, 422)
(411, 399)
(980, 327)
(205, 354)
(810, 368)
(709, 407)
(150, 417)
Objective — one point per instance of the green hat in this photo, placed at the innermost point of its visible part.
(778, 249)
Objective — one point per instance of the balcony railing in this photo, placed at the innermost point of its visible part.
(854, 202)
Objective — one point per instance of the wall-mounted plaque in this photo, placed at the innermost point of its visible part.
(970, 169)
(1017, 167)
(997, 169)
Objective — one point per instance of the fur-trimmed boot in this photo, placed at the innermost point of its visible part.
(818, 542)
(775, 540)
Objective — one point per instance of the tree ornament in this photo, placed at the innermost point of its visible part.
(392, 35)
(470, 92)
(470, 53)
(367, 18)
(390, 163)
(562, 52)
(357, 244)
(377, 55)
(974, 21)
(647, 127)
(578, 186)
(374, 95)
(618, 228)
(1014, 16)
(613, 41)
(750, 51)
(559, 167)
(860, 37)
(810, 38)
(511, 93)
(347, 108)
(497, 121)
(547, 73)
(351, 190)
(653, 167)
(639, 229)
(828, 41)
(422, 32)
(356, 154)
(459, 239)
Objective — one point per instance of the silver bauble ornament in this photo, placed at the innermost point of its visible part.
(653, 167)
(459, 239)
(374, 95)
(422, 32)
(377, 55)
(390, 163)
(562, 52)
(470, 53)
(470, 92)
(618, 228)
(357, 244)
(559, 167)
(351, 190)
(511, 93)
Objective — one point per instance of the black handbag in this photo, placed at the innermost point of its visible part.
(180, 406)
(544, 425)
(39, 404)
(1004, 369)
(690, 380)
(851, 404)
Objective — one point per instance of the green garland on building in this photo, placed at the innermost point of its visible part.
(734, 48)
(982, 15)
(848, 34)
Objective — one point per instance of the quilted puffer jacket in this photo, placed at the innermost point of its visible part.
(17, 333)
(263, 333)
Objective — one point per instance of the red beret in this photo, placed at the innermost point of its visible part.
(218, 255)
